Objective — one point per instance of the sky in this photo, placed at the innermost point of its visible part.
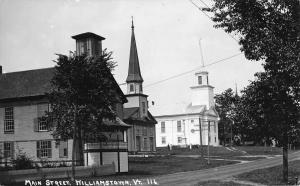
(167, 35)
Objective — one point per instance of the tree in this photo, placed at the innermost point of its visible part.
(263, 108)
(224, 106)
(270, 31)
(83, 94)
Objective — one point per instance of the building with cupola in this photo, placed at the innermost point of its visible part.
(23, 128)
(141, 135)
(192, 124)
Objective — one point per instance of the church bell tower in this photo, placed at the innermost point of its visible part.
(134, 80)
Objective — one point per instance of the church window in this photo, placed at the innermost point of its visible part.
(207, 79)
(179, 140)
(131, 88)
(215, 128)
(200, 80)
(163, 140)
(145, 131)
(144, 107)
(141, 88)
(178, 126)
(163, 127)
(145, 143)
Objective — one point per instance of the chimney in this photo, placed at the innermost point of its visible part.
(0, 69)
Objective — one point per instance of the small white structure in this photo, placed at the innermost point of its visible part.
(182, 128)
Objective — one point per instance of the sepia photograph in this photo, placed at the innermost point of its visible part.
(141, 92)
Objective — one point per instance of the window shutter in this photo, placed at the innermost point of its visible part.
(38, 149)
(50, 149)
(35, 124)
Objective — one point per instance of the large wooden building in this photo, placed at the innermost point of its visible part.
(23, 103)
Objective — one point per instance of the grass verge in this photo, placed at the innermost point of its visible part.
(272, 175)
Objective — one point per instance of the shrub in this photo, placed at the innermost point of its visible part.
(22, 162)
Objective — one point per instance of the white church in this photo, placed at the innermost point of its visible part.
(182, 128)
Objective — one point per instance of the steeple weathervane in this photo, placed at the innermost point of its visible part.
(132, 26)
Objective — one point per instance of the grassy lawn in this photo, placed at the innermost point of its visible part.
(170, 164)
(272, 175)
(268, 176)
(220, 183)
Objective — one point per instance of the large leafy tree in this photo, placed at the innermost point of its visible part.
(83, 95)
(269, 30)
(225, 106)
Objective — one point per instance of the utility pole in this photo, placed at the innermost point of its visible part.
(208, 142)
(200, 132)
(232, 123)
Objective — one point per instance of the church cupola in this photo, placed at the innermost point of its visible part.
(88, 43)
(202, 92)
(134, 79)
(202, 78)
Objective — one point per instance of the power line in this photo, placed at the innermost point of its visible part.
(181, 74)
(208, 15)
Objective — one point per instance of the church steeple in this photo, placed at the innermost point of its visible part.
(134, 72)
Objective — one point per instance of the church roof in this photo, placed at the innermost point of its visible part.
(131, 115)
(134, 72)
(188, 110)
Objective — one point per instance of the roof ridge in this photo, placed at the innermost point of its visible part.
(22, 71)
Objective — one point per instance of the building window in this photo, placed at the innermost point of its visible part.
(141, 88)
(163, 140)
(215, 139)
(131, 88)
(215, 127)
(178, 126)
(145, 143)
(179, 140)
(8, 149)
(199, 80)
(192, 121)
(144, 107)
(9, 126)
(42, 124)
(138, 131)
(63, 149)
(144, 131)
(44, 149)
(151, 131)
(163, 127)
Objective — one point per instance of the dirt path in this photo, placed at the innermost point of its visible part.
(223, 172)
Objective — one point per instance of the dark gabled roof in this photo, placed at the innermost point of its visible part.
(32, 83)
(86, 35)
(25, 83)
(134, 72)
(132, 115)
(129, 112)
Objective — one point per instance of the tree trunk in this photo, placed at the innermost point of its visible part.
(80, 147)
(285, 165)
(73, 152)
